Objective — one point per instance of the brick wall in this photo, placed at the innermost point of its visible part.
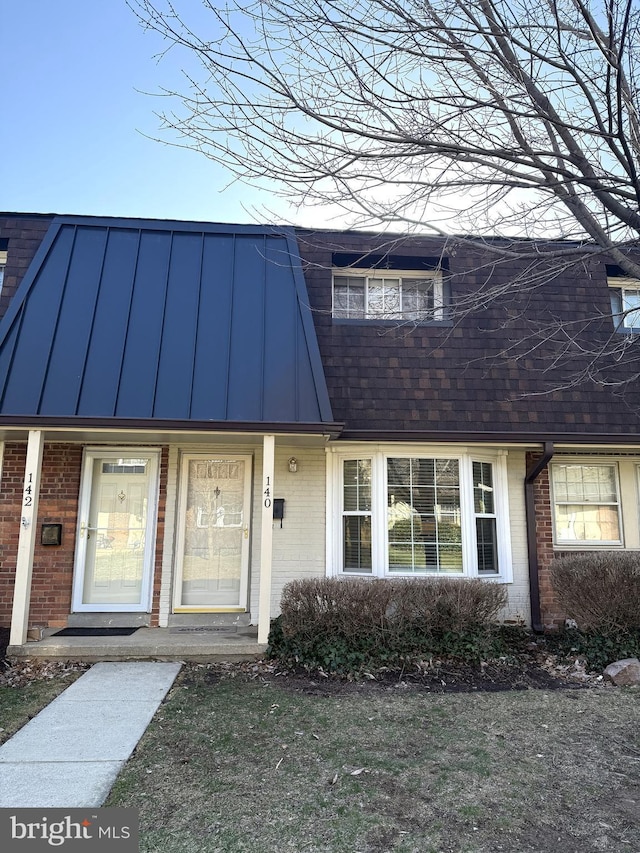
(160, 532)
(52, 565)
(52, 577)
(551, 614)
(10, 502)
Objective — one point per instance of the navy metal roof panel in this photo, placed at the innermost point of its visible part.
(146, 319)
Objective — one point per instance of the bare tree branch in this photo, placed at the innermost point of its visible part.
(511, 118)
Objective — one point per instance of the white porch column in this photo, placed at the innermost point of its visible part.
(266, 538)
(27, 540)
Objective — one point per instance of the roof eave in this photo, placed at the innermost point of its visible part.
(34, 422)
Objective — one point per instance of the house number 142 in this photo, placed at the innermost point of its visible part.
(28, 496)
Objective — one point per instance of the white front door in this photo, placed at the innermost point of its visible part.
(116, 531)
(212, 554)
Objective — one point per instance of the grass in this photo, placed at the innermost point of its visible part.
(245, 765)
(19, 704)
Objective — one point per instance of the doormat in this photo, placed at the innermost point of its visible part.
(202, 629)
(95, 632)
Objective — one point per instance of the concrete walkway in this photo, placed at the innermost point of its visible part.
(69, 755)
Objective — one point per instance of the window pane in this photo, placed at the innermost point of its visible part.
(588, 483)
(357, 543)
(631, 304)
(340, 301)
(348, 297)
(357, 485)
(487, 545)
(483, 488)
(417, 298)
(580, 523)
(383, 298)
(423, 515)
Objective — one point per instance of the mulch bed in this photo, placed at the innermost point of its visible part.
(536, 670)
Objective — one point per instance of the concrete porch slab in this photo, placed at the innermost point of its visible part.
(146, 644)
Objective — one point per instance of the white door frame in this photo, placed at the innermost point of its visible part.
(90, 454)
(242, 605)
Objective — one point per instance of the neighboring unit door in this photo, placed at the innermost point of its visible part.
(116, 531)
(212, 555)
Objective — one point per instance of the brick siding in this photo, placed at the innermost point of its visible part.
(551, 613)
(52, 577)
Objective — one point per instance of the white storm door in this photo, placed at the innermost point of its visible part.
(212, 553)
(116, 531)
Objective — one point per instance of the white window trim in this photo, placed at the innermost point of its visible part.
(3, 263)
(623, 284)
(366, 274)
(587, 544)
(379, 531)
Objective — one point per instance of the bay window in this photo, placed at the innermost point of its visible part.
(416, 515)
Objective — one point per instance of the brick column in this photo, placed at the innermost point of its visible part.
(551, 614)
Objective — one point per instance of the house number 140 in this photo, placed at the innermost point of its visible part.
(267, 493)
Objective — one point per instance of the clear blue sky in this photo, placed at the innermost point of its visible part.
(74, 120)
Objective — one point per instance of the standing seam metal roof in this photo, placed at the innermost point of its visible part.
(146, 319)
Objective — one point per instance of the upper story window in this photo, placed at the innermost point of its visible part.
(625, 303)
(388, 295)
(3, 263)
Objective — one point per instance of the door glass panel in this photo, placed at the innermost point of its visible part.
(212, 562)
(116, 533)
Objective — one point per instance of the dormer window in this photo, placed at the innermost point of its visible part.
(625, 304)
(388, 295)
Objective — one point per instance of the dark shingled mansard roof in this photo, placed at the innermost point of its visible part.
(163, 321)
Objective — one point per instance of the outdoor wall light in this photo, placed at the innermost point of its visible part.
(293, 465)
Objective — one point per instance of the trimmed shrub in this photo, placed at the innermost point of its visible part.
(341, 625)
(601, 591)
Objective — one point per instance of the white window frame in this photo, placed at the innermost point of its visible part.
(626, 285)
(3, 263)
(436, 315)
(584, 544)
(379, 527)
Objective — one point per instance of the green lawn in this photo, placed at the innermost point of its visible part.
(253, 765)
(19, 704)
